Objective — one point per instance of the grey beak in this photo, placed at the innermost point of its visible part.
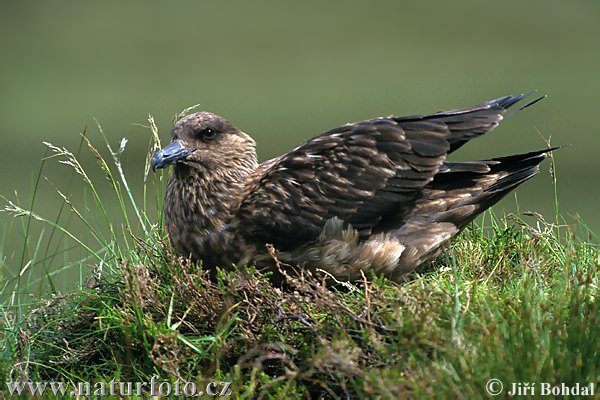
(169, 155)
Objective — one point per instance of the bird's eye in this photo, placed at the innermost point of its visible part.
(208, 133)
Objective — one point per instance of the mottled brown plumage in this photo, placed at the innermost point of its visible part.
(376, 195)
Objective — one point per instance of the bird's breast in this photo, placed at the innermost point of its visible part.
(197, 225)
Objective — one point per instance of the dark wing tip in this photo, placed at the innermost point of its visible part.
(533, 102)
(522, 162)
(508, 101)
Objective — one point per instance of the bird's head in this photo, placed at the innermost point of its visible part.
(207, 141)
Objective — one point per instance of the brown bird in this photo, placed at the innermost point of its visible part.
(376, 195)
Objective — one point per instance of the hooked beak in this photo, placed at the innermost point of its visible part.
(169, 155)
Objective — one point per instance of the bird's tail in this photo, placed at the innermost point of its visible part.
(456, 196)
(469, 188)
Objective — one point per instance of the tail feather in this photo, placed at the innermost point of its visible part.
(468, 192)
(518, 169)
(456, 196)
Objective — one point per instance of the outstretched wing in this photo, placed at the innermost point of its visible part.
(358, 172)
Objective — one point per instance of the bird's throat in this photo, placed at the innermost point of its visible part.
(198, 211)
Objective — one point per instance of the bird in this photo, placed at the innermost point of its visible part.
(376, 196)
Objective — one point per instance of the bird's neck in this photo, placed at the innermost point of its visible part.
(199, 206)
(209, 196)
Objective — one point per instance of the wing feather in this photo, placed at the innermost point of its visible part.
(358, 173)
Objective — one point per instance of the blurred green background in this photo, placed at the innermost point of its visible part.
(285, 71)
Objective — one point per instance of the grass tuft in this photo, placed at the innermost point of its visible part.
(515, 299)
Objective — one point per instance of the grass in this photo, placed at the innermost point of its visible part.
(511, 300)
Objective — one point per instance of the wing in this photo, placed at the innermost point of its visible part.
(462, 125)
(358, 172)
